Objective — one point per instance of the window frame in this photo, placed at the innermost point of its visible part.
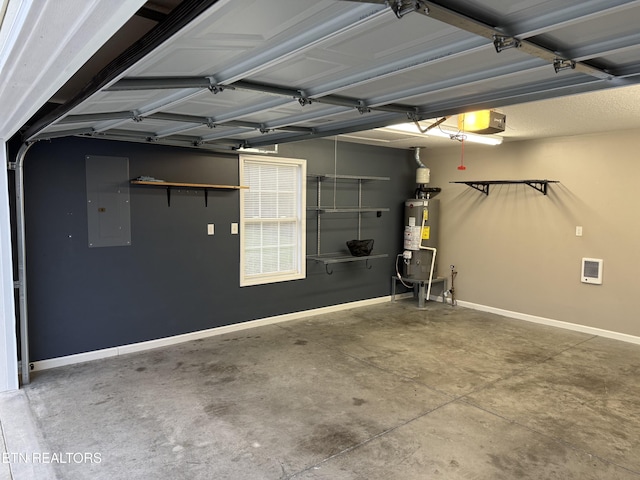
(300, 254)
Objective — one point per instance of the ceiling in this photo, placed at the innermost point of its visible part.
(252, 73)
(585, 113)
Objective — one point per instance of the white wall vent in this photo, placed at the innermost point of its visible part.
(591, 271)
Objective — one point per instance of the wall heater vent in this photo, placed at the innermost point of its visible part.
(591, 271)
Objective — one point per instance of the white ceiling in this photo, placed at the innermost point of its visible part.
(259, 72)
(602, 111)
(615, 109)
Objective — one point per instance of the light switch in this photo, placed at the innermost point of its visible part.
(210, 229)
(234, 229)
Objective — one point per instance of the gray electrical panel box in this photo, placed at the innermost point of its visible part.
(108, 212)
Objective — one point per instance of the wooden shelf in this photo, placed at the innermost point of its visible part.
(483, 185)
(204, 186)
(191, 185)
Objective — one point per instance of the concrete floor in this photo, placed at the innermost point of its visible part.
(380, 392)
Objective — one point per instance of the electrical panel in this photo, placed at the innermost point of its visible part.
(108, 210)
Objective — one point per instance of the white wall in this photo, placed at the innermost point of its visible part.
(516, 249)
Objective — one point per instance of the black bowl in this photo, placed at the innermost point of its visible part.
(360, 248)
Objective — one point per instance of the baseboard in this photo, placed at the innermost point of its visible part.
(73, 359)
(553, 323)
(187, 337)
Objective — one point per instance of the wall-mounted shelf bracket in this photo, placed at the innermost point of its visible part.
(483, 185)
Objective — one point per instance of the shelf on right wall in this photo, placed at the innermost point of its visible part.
(483, 185)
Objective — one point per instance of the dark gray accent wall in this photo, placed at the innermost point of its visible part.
(174, 278)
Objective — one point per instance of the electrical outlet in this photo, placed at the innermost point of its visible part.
(210, 229)
(578, 231)
(234, 229)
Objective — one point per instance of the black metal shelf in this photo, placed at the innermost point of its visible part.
(483, 185)
(333, 176)
(341, 257)
(347, 209)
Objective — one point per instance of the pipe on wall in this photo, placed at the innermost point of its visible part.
(417, 157)
(433, 257)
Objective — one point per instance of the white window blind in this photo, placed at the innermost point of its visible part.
(272, 228)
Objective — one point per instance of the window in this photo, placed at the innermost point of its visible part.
(272, 219)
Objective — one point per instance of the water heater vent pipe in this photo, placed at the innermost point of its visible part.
(417, 156)
(423, 174)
